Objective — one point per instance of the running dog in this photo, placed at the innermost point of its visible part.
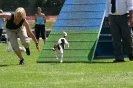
(60, 46)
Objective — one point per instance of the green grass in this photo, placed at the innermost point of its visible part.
(102, 73)
(48, 24)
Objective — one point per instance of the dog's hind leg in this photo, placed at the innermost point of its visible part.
(66, 42)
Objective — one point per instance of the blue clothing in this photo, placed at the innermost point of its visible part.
(39, 20)
(1, 21)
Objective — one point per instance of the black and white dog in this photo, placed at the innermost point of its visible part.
(59, 48)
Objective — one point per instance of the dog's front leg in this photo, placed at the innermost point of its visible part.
(61, 58)
(61, 52)
(56, 54)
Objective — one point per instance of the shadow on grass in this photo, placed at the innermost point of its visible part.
(106, 60)
(102, 62)
(94, 61)
(3, 65)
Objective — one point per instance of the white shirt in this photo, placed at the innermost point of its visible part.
(122, 7)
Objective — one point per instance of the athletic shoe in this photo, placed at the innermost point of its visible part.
(115, 61)
(21, 61)
(130, 56)
(27, 51)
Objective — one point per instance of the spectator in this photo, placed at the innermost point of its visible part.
(40, 21)
(118, 20)
(18, 26)
(1, 25)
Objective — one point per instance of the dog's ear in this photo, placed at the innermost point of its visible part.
(55, 45)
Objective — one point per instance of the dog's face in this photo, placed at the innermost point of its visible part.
(55, 47)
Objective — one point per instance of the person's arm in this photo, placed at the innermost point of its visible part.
(131, 18)
(130, 9)
(107, 13)
(35, 18)
(107, 24)
(44, 17)
(7, 16)
(30, 33)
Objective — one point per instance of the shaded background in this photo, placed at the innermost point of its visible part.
(49, 7)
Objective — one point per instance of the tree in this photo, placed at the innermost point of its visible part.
(49, 7)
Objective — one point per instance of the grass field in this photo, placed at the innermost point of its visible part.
(102, 73)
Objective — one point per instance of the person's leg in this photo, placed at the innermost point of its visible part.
(116, 37)
(37, 32)
(14, 43)
(126, 35)
(43, 34)
(1, 30)
(22, 34)
(44, 40)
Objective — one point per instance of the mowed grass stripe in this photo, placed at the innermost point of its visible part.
(58, 32)
(74, 37)
(73, 45)
(68, 53)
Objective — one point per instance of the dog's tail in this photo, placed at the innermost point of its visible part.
(65, 34)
